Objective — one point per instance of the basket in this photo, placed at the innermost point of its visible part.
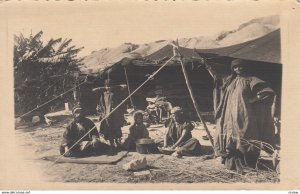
(145, 146)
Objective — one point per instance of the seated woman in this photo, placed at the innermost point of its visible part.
(179, 137)
(137, 131)
(75, 131)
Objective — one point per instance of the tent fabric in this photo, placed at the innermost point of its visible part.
(266, 49)
(167, 52)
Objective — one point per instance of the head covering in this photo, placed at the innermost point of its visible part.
(180, 116)
(153, 100)
(237, 62)
(76, 108)
(137, 113)
(176, 109)
(107, 82)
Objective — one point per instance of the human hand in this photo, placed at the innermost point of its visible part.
(259, 96)
(67, 153)
(254, 99)
(95, 140)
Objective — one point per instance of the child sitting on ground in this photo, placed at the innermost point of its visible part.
(137, 131)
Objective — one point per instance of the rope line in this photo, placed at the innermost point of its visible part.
(149, 78)
(59, 96)
(266, 145)
(51, 86)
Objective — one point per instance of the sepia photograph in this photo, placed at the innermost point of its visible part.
(140, 92)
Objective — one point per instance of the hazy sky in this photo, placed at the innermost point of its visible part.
(96, 25)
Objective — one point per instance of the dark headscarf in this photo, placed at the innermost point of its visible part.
(180, 114)
(107, 82)
(234, 63)
(237, 62)
(137, 113)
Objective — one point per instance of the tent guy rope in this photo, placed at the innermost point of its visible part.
(149, 78)
(59, 96)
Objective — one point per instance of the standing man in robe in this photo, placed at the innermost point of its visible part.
(242, 107)
(111, 97)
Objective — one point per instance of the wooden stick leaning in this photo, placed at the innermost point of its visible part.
(193, 98)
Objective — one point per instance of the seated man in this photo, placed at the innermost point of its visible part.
(88, 145)
(179, 136)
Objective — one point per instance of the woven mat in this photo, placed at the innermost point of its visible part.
(102, 159)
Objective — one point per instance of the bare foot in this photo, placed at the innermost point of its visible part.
(209, 157)
(177, 155)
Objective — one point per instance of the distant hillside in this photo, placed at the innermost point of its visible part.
(250, 30)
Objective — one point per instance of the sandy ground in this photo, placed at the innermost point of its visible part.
(43, 140)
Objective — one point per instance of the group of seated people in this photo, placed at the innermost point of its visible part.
(76, 142)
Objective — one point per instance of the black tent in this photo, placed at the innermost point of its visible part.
(262, 56)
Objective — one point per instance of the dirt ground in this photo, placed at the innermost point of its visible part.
(43, 140)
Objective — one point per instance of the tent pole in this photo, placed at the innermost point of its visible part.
(193, 98)
(128, 87)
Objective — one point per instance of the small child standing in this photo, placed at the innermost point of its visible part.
(137, 131)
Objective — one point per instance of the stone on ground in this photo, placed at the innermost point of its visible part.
(142, 173)
(136, 164)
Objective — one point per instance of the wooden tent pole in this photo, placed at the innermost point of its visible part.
(193, 98)
(128, 87)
